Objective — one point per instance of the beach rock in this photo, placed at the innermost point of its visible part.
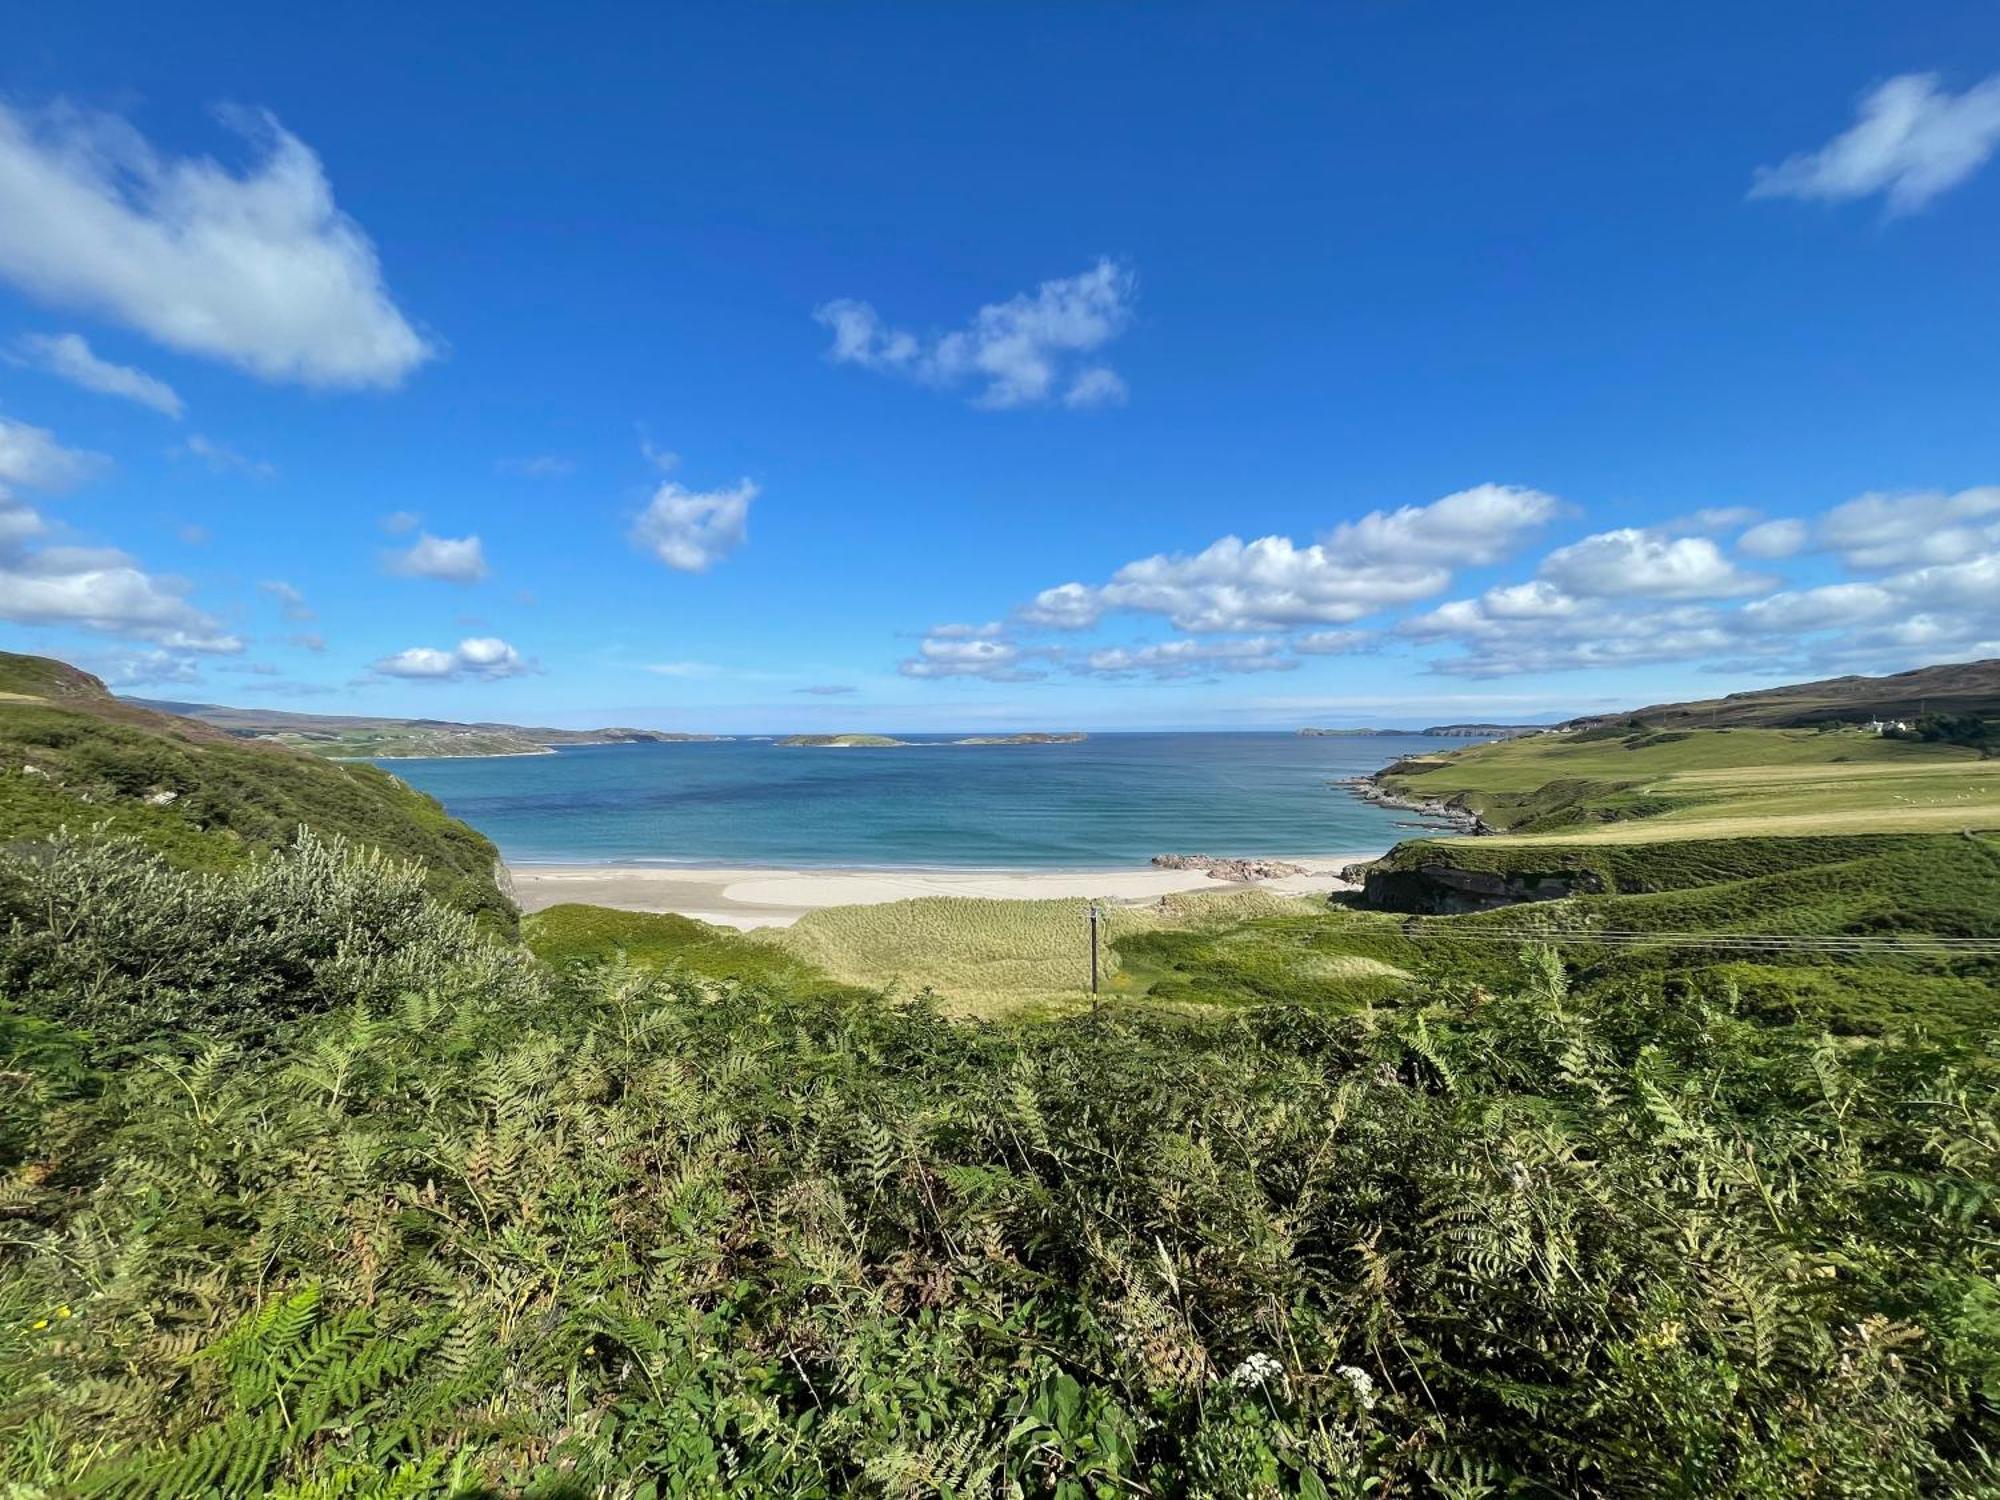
(1238, 870)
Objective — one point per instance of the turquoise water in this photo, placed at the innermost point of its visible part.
(1109, 801)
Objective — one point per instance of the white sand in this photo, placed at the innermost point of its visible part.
(746, 898)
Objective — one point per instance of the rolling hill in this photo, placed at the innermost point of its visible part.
(362, 735)
(72, 755)
(1952, 688)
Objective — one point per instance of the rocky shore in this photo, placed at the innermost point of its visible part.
(1239, 870)
(1451, 813)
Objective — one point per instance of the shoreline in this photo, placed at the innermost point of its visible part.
(747, 897)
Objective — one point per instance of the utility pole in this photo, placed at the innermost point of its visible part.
(1096, 916)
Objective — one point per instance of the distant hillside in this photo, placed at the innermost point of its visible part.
(1955, 688)
(72, 754)
(1481, 731)
(351, 735)
(1437, 731)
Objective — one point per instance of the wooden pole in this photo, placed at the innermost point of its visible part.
(1093, 947)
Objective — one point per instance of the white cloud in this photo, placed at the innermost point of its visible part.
(1067, 606)
(1911, 140)
(449, 559)
(1479, 525)
(290, 600)
(1335, 642)
(970, 656)
(1383, 559)
(1595, 634)
(398, 522)
(222, 459)
(70, 357)
(1098, 386)
(1265, 584)
(145, 669)
(692, 530)
(1268, 584)
(1173, 660)
(1021, 352)
(307, 640)
(984, 632)
(258, 268)
(1774, 540)
(479, 658)
(1614, 564)
(1879, 530)
(1973, 584)
(1714, 520)
(829, 690)
(31, 457)
(97, 588)
(1831, 606)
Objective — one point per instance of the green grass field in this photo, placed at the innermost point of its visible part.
(1701, 784)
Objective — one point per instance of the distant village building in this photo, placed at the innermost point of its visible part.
(1889, 726)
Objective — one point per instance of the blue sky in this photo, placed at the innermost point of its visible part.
(1051, 366)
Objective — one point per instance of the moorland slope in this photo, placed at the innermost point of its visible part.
(72, 755)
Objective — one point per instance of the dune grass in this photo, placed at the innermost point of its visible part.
(988, 957)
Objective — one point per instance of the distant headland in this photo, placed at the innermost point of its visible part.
(890, 742)
(1436, 731)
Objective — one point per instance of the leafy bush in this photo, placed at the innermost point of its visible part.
(209, 802)
(486, 1228)
(106, 938)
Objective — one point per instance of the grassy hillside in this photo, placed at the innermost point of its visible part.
(1618, 787)
(366, 735)
(1952, 688)
(72, 755)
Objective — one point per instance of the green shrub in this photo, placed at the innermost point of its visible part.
(487, 1228)
(106, 938)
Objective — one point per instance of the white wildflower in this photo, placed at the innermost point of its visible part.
(1362, 1384)
(1258, 1369)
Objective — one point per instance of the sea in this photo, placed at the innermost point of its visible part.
(1106, 802)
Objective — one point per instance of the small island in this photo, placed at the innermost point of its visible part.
(1022, 739)
(844, 741)
(890, 742)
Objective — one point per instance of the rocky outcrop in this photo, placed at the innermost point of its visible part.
(1436, 887)
(1239, 870)
(1448, 812)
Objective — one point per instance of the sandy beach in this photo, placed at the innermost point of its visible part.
(747, 898)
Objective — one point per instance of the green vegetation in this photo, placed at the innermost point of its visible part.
(72, 756)
(412, 744)
(358, 736)
(991, 957)
(1022, 739)
(1620, 785)
(1971, 687)
(843, 741)
(317, 1185)
(572, 934)
(1969, 730)
(412, 1213)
